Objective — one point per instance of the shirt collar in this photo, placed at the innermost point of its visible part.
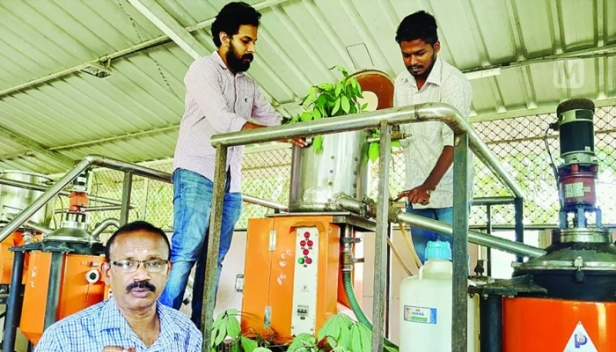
(222, 64)
(112, 318)
(434, 77)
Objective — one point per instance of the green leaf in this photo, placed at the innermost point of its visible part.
(345, 104)
(374, 151)
(233, 327)
(390, 348)
(343, 70)
(316, 114)
(356, 339)
(306, 116)
(365, 153)
(262, 349)
(396, 144)
(338, 88)
(235, 348)
(364, 106)
(317, 144)
(221, 334)
(336, 106)
(248, 345)
(302, 343)
(366, 338)
(325, 86)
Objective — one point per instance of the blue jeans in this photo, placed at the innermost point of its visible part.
(192, 200)
(421, 237)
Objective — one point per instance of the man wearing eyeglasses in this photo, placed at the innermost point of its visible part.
(132, 320)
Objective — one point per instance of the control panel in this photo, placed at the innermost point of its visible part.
(305, 281)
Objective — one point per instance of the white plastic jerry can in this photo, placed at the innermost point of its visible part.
(425, 303)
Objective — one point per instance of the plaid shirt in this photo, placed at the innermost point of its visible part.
(102, 325)
(217, 101)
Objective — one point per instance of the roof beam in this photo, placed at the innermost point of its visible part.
(168, 25)
(36, 147)
(148, 44)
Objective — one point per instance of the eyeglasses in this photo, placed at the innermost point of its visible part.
(130, 266)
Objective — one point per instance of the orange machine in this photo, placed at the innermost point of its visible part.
(79, 287)
(535, 324)
(563, 300)
(292, 279)
(17, 238)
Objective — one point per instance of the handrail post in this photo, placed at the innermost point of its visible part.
(461, 202)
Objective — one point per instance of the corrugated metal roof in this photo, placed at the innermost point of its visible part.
(133, 114)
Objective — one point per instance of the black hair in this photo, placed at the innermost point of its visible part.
(419, 25)
(231, 17)
(134, 227)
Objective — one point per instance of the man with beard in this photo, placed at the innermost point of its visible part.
(428, 146)
(131, 320)
(220, 98)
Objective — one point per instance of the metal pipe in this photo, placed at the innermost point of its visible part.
(491, 324)
(266, 203)
(394, 116)
(93, 209)
(476, 237)
(127, 187)
(459, 252)
(493, 201)
(14, 302)
(53, 289)
(519, 223)
(105, 224)
(43, 199)
(211, 264)
(35, 187)
(37, 227)
(380, 238)
(473, 236)
(137, 170)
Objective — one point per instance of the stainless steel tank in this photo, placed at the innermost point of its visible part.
(316, 179)
(14, 199)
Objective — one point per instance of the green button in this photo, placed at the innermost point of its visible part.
(300, 260)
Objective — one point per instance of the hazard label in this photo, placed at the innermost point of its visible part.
(580, 341)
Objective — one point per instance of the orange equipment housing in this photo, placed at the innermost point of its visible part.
(6, 256)
(81, 285)
(292, 281)
(546, 325)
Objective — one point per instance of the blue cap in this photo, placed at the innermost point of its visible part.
(438, 250)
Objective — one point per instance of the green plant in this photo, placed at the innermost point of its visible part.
(329, 100)
(338, 334)
(339, 98)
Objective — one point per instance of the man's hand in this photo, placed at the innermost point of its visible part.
(300, 142)
(419, 194)
(118, 349)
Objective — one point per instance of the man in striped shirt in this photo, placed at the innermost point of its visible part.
(220, 98)
(428, 146)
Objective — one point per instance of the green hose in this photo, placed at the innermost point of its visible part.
(355, 307)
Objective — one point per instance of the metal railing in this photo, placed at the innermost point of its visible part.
(124, 204)
(383, 119)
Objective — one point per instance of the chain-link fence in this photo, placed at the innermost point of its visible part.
(519, 144)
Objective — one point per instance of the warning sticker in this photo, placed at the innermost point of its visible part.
(580, 341)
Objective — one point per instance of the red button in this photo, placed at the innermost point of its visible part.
(303, 243)
(307, 234)
(310, 243)
(308, 260)
(306, 252)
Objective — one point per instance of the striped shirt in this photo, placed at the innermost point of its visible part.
(102, 325)
(217, 101)
(426, 140)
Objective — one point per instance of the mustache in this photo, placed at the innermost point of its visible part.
(141, 284)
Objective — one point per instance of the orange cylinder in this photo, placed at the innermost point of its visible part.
(6, 255)
(546, 325)
(80, 288)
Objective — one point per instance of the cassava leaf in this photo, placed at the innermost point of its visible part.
(317, 144)
(248, 345)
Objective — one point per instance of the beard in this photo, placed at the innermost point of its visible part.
(237, 63)
(415, 69)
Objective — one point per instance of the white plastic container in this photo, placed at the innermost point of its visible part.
(425, 304)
